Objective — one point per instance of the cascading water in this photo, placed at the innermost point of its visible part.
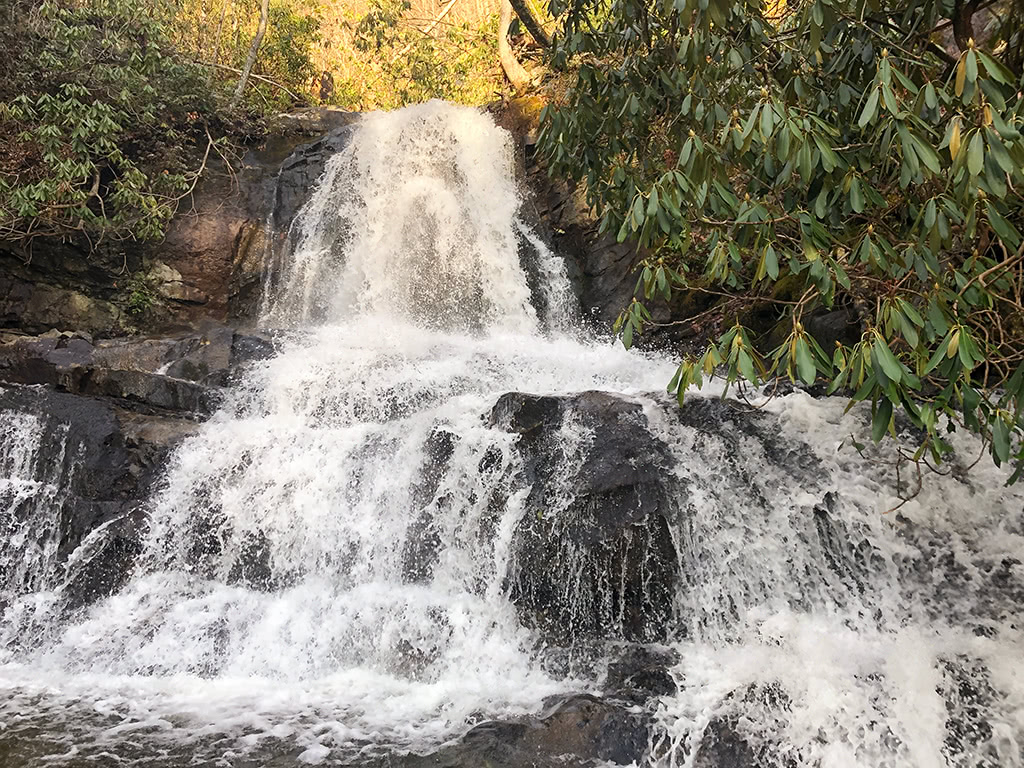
(325, 574)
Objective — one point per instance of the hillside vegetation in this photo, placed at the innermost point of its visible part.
(111, 110)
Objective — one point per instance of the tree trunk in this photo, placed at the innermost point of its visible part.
(963, 23)
(513, 69)
(530, 22)
(254, 49)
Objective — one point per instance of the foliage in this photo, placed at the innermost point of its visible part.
(110, 109)
(92, 124)
(845, 147)
(219, 36)
(286, 53)
(401, 65)
(139, 297)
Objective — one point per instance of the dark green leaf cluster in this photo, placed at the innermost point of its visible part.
(843, 149)
(94, 124)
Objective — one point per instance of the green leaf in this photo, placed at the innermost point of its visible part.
(910, 312)
(771, 263)
(767, 120)
(909, 331)
(805, 362)
(746, 366)
(971, 67)
(928, 155)
(998, 151)
(870, 109)
(890, 365)
(975, 154)
(673, 385)
(652, 202)
(995, 70)
(856, 197)
(1000, 441)
(880, 419)
(1006, 231)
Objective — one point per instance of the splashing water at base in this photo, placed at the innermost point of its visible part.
(323, 576)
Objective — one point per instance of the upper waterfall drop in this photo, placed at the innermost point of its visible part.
(417, 219)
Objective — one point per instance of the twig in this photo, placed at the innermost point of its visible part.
(254, 76)
(427, 31)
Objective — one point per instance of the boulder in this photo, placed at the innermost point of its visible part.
(36, 306)
(573, 731)
(721, 746)
(593, 557)
(640, 673)
(102, 462)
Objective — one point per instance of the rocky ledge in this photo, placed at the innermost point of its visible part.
(104, 415)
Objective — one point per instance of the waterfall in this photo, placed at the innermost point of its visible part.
(325, 574)
(33, 476)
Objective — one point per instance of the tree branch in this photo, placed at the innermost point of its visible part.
(530, 22)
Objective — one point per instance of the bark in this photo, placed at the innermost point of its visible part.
(254, 49)
(530, 22)
(513, 69)
(963, 23)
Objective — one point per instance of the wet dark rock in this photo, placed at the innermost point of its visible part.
(640, 673)
(731, 420)
(300, 172)
(105, 460)
(150, 389)
(248, 348)
(424, 542)
(181, 372)
(722, 746)
(574, 731)
(251, 568)
(600, 267)
(593, 557)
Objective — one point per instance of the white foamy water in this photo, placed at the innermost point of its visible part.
(323, 576)
(846, 633)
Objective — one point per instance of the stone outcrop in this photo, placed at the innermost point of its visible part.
(596, 559)
(179, 372)
(110, 413)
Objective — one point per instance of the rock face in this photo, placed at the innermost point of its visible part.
(601, 267)
(103, 460)
(209, 265)
(596, 559)
(181, 372)
(104, 416)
